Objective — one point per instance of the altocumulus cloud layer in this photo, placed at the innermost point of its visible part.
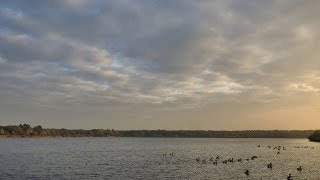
(160, 64)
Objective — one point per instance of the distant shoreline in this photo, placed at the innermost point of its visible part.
(26, 131)
(19, 136)
(63, 137)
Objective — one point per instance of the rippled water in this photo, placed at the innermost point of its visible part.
(142, 158)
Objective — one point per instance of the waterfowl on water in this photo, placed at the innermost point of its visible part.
(215, 162)
(225, 162)
(211, 159)
(247, 172)
(289, 177)
(299, 169)
(270, 165)
(254, 157)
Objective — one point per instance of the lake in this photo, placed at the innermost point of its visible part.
(143, 158)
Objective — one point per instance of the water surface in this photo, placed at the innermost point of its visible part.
(142, 158)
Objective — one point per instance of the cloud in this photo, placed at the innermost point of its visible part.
(303, 88)
(158, 54)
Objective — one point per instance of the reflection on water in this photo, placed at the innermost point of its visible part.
(143, 158)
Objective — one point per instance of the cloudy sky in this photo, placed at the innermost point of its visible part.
(169, 64)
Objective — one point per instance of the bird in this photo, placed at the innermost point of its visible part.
(215, 162)
(299, 169)
(270, 165)
(254, 157)
(211, 159)
(247, 172)
(197, 159)
(289, 177)
(225, 162)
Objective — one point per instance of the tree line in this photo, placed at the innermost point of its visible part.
(315, 136)
(25, 130)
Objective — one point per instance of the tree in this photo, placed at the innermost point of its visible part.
(315, 136)
(37, 130)
(26, 129)
(2, 131)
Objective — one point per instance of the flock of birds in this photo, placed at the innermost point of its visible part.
(229, 160)
(217, 159)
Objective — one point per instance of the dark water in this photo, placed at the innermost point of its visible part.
(142, 158)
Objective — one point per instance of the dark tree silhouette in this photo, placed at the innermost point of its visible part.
(315, 136)
(27, 130)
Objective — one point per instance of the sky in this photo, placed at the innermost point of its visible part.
(160, 64)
